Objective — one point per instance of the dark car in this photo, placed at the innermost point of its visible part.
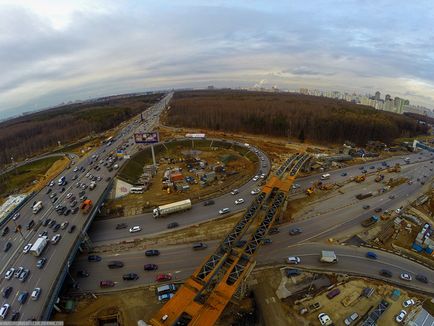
(22, 297)
(71, 228)
(54, 200)
(30, 224)
(15, 316)
(378, 210)
(56, 227)
(52, 223)
(7, 246)
(172, 225)
(45, 223)
(333, 293)
(295, 231)
(74, 210)
(421, 278)
(67, 212)
(199, 246)
(267, 241)
(82, 274)
(364, 171)
(5, 231)
(81, 193)
(115, 264)
(130, 277)
(152, 252)
(49, 190)
(41, 262)
(150, 267)
(385, 273)
(93, 258)
(273, 230)
(121, 226)
(208, 202)
(366, 206)
(63, 189)
(6, 292)
(292, 272)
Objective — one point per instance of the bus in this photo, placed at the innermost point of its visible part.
(136, 190)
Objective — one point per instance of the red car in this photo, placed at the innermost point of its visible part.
(163, 277)
(106, 284)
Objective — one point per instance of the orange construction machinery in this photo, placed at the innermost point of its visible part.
(86, 206)
(359, 178)
(396, 168)
(203, 297)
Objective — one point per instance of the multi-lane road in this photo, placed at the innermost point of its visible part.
(60, 254)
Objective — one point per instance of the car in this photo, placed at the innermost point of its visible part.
(64, 225)
(71, 229)
(69, 195)
(16, 216)
(35, 294)
(267, 241)
(106, 284)
(386, 273)
(74, 210)
(56, 238)
(199, 246)
(130, 277)
(364, 171)
(115, 264)
(41, 262)
(27, 248)
(82, 274)
(366, 206)
(165, 297)
(234, 192)
(378, 210)
(48, 191)
(292, 272)
(273, 230)
(24, 275)
(333, 293)
(295, 231)
(4, 310)
(15, 316)
(135, 229)
(6, 291)
(293, 260)
(421, 278)
(371, 255)
(150, 267)
(93, 258)
(372, 167)
(56, 227)
(163, 277)
(361, 168)
(52, 223)
(208, 202)
(239, 201)
(172, 225)
(51, 184)
(18, 272)
(7, 246)
(392, 197)
(121, 226)
(224, 211)
(152, 252)
(400, 317)
(255, 191)
(324, 319)
(53, 195)
(351, 318)
(405, 277)
(408, 303)
(46, 222)
(344, 174)
(10, 273)
(30, 224)
(5, 231)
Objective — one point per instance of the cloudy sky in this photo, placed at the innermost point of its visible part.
(56, 51)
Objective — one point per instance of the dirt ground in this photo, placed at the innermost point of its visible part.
(126, 306)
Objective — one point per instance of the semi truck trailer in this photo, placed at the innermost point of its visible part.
(176, 207)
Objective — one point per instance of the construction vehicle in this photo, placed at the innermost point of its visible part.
(364, 196)
(39, 246)
(370, 221)
(86, 206)
(328, 257)
(396, 168)
(327, 186)
(310, 191)
(204, 296)
(359, 178)
(92, 185)
(178, 206)
(379, 178)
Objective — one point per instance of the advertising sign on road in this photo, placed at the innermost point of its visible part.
(146, 137)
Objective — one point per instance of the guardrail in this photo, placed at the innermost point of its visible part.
(12, 213)
(54, 292)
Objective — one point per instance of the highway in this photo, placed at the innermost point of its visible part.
(58, 254)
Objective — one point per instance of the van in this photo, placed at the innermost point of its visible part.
(169, 288)
(293, 260)
(371, 255)
(333, 293)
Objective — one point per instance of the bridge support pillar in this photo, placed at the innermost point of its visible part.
(86, 243)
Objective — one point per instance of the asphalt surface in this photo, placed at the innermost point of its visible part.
(56, 255)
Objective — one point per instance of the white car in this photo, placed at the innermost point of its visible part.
(255, 191)
(262, 176)
(56, 238)
(406, 277)
(64, 225)
(36, 293)
(75, 169)
(27, 248)
(69, 195)
(400, 317)
(324, 319)
(9, 273)
(224, 211)
(234, 192)
(408, 303)
(51, 184)
(255, 178)
(16, 216)
(135, 229)
(239, 201)
(293, 260)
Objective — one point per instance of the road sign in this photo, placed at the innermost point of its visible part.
(146, 137)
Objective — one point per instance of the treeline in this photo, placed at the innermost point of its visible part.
(290, 115)
(39, 132)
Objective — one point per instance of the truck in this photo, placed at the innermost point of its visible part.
(39, 246)
(328, 257)
(370, 221)
(37, 207)
(62, 181)
(363, 196)
(86, 206)
(92, 185)
(178, 206)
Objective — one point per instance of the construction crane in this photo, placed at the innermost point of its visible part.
(203, 297)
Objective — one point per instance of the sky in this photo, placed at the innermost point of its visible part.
(58, 51)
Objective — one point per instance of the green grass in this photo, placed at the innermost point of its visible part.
(24, 175)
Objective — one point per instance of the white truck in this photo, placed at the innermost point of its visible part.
(37, 207)
(39, 246)
(328, 257)
(178, 206)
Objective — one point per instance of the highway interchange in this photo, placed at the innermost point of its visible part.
(339, 215)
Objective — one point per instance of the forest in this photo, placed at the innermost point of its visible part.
(40, 132)
(315, 119)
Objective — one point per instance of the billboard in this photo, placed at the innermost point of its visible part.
(146, 137)
(200, 136)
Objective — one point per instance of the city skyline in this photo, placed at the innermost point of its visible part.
(54, 52)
